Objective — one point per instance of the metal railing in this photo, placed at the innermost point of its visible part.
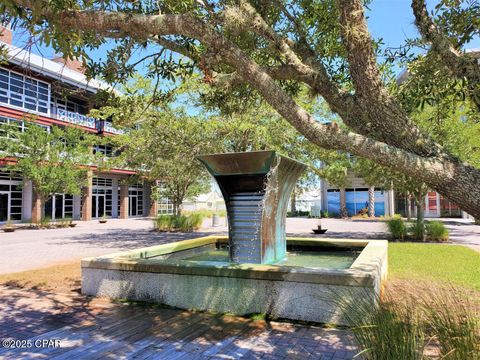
(74, 118)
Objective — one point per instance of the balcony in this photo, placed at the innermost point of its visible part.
(104, 126)
(74, 118)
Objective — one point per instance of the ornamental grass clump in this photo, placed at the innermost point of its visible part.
(436, 231)
(454, 322)
(416, 230)
(184, 223)
(414, 324)
(397, 228)
(390, 331)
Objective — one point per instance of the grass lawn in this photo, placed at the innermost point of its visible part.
(453, 264)
(61, 278)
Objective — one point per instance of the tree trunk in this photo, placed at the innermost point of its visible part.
(343, 203)
(176, 208)
(371, 201)
(38, 208)
(409, 206)
(420, 202)
(293, 202)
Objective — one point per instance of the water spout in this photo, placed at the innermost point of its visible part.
(256, 187)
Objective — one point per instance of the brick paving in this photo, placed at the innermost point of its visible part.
(91, 328)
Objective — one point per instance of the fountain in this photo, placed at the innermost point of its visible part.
(256, 269)
(256, 187)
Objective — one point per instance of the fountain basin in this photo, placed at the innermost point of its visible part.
(195, 274)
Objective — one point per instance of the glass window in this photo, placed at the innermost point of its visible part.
(165, 207)
(333, 201)
(23, 91)
(10, 196)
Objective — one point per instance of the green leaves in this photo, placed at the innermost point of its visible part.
(56, 161)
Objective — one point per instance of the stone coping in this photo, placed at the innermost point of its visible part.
(363, 272)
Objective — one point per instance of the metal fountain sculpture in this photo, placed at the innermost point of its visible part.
(256, 187)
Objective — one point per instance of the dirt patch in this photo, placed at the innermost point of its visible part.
(61, 278)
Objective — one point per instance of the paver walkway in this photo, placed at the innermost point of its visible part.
(88, 328)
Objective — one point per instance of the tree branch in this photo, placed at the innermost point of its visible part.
(462, 65)
(452, 178)
(371, 96)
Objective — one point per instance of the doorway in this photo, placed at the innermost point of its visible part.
(132, 206)
(98, 205)
(4, 206)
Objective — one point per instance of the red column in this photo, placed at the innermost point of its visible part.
(123, 201)
(87, 194)
(36, 208)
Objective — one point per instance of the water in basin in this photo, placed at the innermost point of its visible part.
(331, 259)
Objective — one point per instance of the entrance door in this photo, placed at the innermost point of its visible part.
(98, 205)
(58, 213)
(133, 206)
(4, 204)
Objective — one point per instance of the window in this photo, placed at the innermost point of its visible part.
(10, 197)
(103, 149)
(165, 207)
(19, 124)
(24, 92)
(59, 206)
(68, 105)
(13, 123)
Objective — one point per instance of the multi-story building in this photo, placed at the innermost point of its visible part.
(387, 201)
(57, 93)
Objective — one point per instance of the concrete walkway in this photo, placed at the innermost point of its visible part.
(31, 249)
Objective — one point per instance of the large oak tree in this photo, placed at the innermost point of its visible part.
(274, 47)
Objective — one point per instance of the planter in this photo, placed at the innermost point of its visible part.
(319, 230)
(9, 229)
(72, 225)
(102, 221)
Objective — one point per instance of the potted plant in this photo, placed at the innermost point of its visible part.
(319, 229)
(103, 220)
(9, 227)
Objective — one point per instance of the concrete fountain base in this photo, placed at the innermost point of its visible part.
(155, 274)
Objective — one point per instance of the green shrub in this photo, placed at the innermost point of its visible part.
(298, 213)
(396, 227)
(206, 213)
(436, 231)
(416, 230)
(324, 214)
(184, 223)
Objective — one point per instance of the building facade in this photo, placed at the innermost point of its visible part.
(57, 93)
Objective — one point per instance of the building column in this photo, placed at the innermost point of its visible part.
(36, 208)
(123, 201)
(77, 207)
(27, 205)
(391, 202)
(87, 197)
(114, 198)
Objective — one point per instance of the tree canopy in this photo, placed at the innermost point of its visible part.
(248, 50)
